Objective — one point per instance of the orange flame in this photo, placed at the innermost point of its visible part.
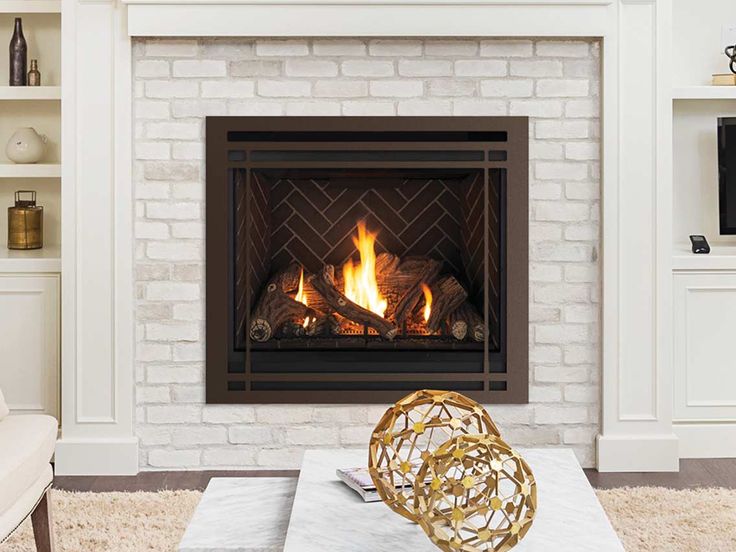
(360, 280)
(427, 301)
(301, 297)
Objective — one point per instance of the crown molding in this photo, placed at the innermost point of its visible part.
(374, 18)
(215, 3)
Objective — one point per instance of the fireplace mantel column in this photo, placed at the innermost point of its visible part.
(636, 427)
(97, 431)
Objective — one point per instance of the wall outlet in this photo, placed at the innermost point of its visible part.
(728, 35)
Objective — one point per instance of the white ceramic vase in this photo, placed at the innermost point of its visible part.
(26, 146)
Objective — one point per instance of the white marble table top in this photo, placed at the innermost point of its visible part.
(241, 515)
(328, 516)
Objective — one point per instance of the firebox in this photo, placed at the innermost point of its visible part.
(354, 259)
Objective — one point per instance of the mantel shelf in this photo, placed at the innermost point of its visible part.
(47, 259)
(386, 2)
(30, 92)
(704, 93)
(30, 6)
(36, 170)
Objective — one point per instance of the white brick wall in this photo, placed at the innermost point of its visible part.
(178, 82)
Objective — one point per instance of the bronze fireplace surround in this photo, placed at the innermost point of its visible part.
(435, 207)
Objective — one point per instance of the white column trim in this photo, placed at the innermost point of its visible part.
(97, 422)
(640, 437)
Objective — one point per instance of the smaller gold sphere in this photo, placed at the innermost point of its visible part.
(493, 507)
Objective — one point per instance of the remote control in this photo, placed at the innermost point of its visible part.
(700, 244)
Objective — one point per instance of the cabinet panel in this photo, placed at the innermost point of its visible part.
(705, 347)
(29, 342)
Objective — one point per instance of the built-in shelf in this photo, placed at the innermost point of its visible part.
(30, 92)
(704, 93)
(30, 6)
(36, 170)
(721, 257)
(47, 259)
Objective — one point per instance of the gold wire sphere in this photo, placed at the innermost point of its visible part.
(479, 495)
(407, 435)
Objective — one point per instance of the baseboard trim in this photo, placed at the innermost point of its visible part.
(635, 453)
(706, 440)
(96, 457)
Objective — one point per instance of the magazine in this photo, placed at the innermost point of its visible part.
(360, 481)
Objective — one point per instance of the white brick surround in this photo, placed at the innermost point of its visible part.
(177, 83)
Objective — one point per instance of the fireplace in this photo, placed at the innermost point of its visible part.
(356, 259)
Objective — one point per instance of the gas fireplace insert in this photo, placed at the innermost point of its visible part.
(353, 260)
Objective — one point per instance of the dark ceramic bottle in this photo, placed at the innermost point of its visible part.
(18, 56)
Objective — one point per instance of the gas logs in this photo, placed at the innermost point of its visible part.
(382, 295)
(276, 308)
(419, 301)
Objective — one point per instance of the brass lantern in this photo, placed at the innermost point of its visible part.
(25, 222)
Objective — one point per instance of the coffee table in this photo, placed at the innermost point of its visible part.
(328, 516)
(241, 514)
(237, 515)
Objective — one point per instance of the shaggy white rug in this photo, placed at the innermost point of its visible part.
(113, 522)
(654, 519)
(648, 519)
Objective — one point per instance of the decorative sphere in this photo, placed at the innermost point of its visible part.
(479, 495)
(407, 435)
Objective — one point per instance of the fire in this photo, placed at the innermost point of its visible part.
(360, 280)
(427, 301)
(301, 297)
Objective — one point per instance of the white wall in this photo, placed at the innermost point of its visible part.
(697, 50)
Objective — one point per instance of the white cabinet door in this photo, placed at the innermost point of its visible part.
(29, 342)
(705, 347)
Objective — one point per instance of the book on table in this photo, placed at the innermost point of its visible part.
(359, 479)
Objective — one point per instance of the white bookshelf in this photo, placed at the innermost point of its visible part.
(35, 170)
(703, 286)
(30, 6)
(697, 53)
(33, 276)
(38, 107)
(704, 93)
(46, 260)
(721, 257)
(30, 92)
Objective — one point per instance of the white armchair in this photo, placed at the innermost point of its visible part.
(26, 447)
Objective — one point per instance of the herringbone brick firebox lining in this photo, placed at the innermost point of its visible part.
(178, 82)
(313, 222)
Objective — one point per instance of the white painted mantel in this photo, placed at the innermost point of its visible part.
(98, 297)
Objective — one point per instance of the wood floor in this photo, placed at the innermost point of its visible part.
(693, 473)
(720, 472)
(157, 481)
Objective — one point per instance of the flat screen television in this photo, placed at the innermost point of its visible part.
(727, 174)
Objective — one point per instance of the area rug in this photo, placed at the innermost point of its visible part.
(113, 522)
(654, 519)
(648, 519)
